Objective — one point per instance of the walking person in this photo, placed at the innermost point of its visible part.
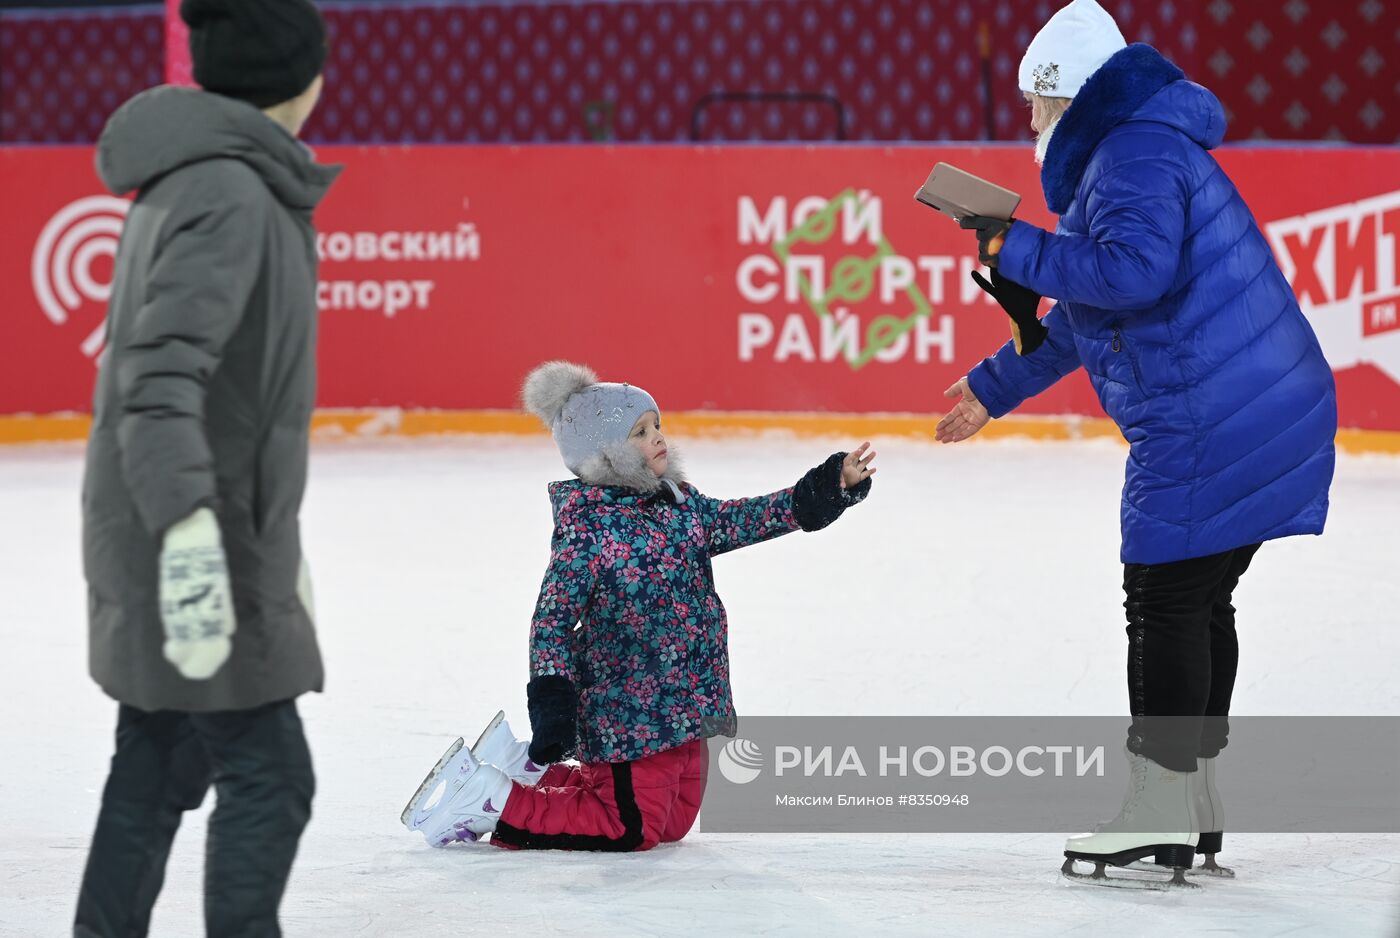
(200, 619)
(1170, 298)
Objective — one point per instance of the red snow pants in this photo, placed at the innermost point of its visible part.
(620, 806)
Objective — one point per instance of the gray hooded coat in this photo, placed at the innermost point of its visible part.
(204, 393)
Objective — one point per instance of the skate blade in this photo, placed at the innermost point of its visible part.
(1146, 876)
(429, 783)
(496, 721)
(1210, 869)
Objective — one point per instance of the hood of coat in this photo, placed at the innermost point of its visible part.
(1136, 84)
(165, 128)
(615, 477)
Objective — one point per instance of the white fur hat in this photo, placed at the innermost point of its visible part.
(1078, 39)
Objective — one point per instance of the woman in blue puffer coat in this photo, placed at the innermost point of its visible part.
(1169, 297)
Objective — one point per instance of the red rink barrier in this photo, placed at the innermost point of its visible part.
(773, 278)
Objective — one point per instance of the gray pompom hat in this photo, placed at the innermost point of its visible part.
(591, 421)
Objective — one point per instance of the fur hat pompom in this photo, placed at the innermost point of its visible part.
(549, 386)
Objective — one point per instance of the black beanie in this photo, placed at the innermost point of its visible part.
(260, 51)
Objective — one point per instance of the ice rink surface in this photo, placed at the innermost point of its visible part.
(978, 579)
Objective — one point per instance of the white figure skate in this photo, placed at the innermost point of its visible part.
(498, 746)
(1210, 813)
(460, 800)
(1158, 818)
(1210, 818)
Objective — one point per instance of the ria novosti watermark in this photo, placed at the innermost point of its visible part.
(741, 761)
(1025, 774)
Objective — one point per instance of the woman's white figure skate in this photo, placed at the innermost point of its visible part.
(463, 796)
(1210, 814)
(1158, 819)
(1210, 818)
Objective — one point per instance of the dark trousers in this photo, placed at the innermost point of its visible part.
(259, 765)
(1182, 654)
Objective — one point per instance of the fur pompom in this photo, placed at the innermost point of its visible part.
(549, 386)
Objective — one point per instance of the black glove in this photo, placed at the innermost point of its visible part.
(818, 498)
(991, 232)
(1021, 304)
(553, 703)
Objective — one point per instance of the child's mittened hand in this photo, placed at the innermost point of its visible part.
(823, 492)
(857, 467)
(553, 703)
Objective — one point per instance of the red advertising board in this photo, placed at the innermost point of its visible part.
(726, 278)
(178, 68)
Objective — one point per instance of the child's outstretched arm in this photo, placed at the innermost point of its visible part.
(818, 499)
(552, 695)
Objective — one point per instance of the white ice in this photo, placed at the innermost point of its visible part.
(978, 579)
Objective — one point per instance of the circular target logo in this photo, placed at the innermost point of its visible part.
(740, 761)
(62, 267)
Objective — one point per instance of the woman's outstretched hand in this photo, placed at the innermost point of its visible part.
(856, 467)
(966, 418)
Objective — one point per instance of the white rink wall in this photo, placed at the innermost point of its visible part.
(978, 579)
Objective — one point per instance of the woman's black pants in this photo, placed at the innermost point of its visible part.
(1182, 654)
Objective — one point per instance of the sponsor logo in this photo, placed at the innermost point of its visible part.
(61, 267)
(859, 307)
(1343, 263)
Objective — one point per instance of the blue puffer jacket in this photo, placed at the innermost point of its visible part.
(1172, 301)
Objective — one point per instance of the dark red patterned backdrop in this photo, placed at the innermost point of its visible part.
(879, 69)
(1304, 69)
(62, 74)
